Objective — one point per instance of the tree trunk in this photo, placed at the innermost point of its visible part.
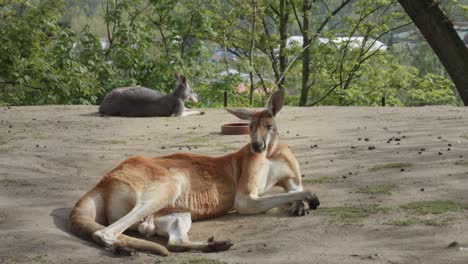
(438, 31)
(283, 23)
(306, 6)
(252, 48)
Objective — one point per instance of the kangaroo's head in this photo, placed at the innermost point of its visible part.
(183, 90)
(263, 129)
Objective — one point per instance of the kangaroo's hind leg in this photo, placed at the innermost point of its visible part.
(176, 226)
(147, 203)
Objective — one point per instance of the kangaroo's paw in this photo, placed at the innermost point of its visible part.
(298, 209)
(216, 246)
(147, 227)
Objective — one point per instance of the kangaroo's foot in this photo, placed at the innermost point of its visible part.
(298, 209)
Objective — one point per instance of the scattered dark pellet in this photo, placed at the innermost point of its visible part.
(147, 126)
(388, 142)
(180, 148)
(403, 136)
(371, 147)
(195, 147)
(353, 147)
(163, 147)
(449, 149)
(398, 143)
(149, 138)
(366, 139)
(449, 145)
(344, 176)
(37, 146)
(397, 139)
(177, 128)
(9, 131)
(45, 146)
(453, 244)
(402, 169)
(307, 162)
(287, 131)
(202, 113)
(315, 146)
(166, 125)
(422, 189)
(359, 138)
(297, 135)
(419, 152)
(439, 137)
(350, 173)
(440, 153)
(10, 126)
(8, 107)
(302, 176)
(423, 149)
(331, 160)
(461, 156)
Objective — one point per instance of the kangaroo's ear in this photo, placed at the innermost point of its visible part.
(183, 79)
(241, 113)
(276, 102)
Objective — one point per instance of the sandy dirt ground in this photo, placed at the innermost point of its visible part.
(403, 202)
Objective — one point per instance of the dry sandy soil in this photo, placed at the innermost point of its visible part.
(403, 202)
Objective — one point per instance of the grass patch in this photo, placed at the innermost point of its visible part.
(7, 149)
(202, 260)
(197, 139)
(115, 141)
(389, 166)
(323, 179)
(418, 221)
(462, 162)
(352, 214)
(377, 189)
(224, 147)
(434, 207)
(205, 141)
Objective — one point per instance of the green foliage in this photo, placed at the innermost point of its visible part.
(52, 52)
(432, 90)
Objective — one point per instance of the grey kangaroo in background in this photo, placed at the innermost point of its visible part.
(137, 101)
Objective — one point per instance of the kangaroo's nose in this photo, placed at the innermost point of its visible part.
(258, 146)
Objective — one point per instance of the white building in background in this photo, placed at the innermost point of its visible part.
(354, 42)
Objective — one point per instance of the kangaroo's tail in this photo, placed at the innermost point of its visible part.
(89, 210)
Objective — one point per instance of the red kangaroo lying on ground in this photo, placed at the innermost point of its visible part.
(163, 195)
